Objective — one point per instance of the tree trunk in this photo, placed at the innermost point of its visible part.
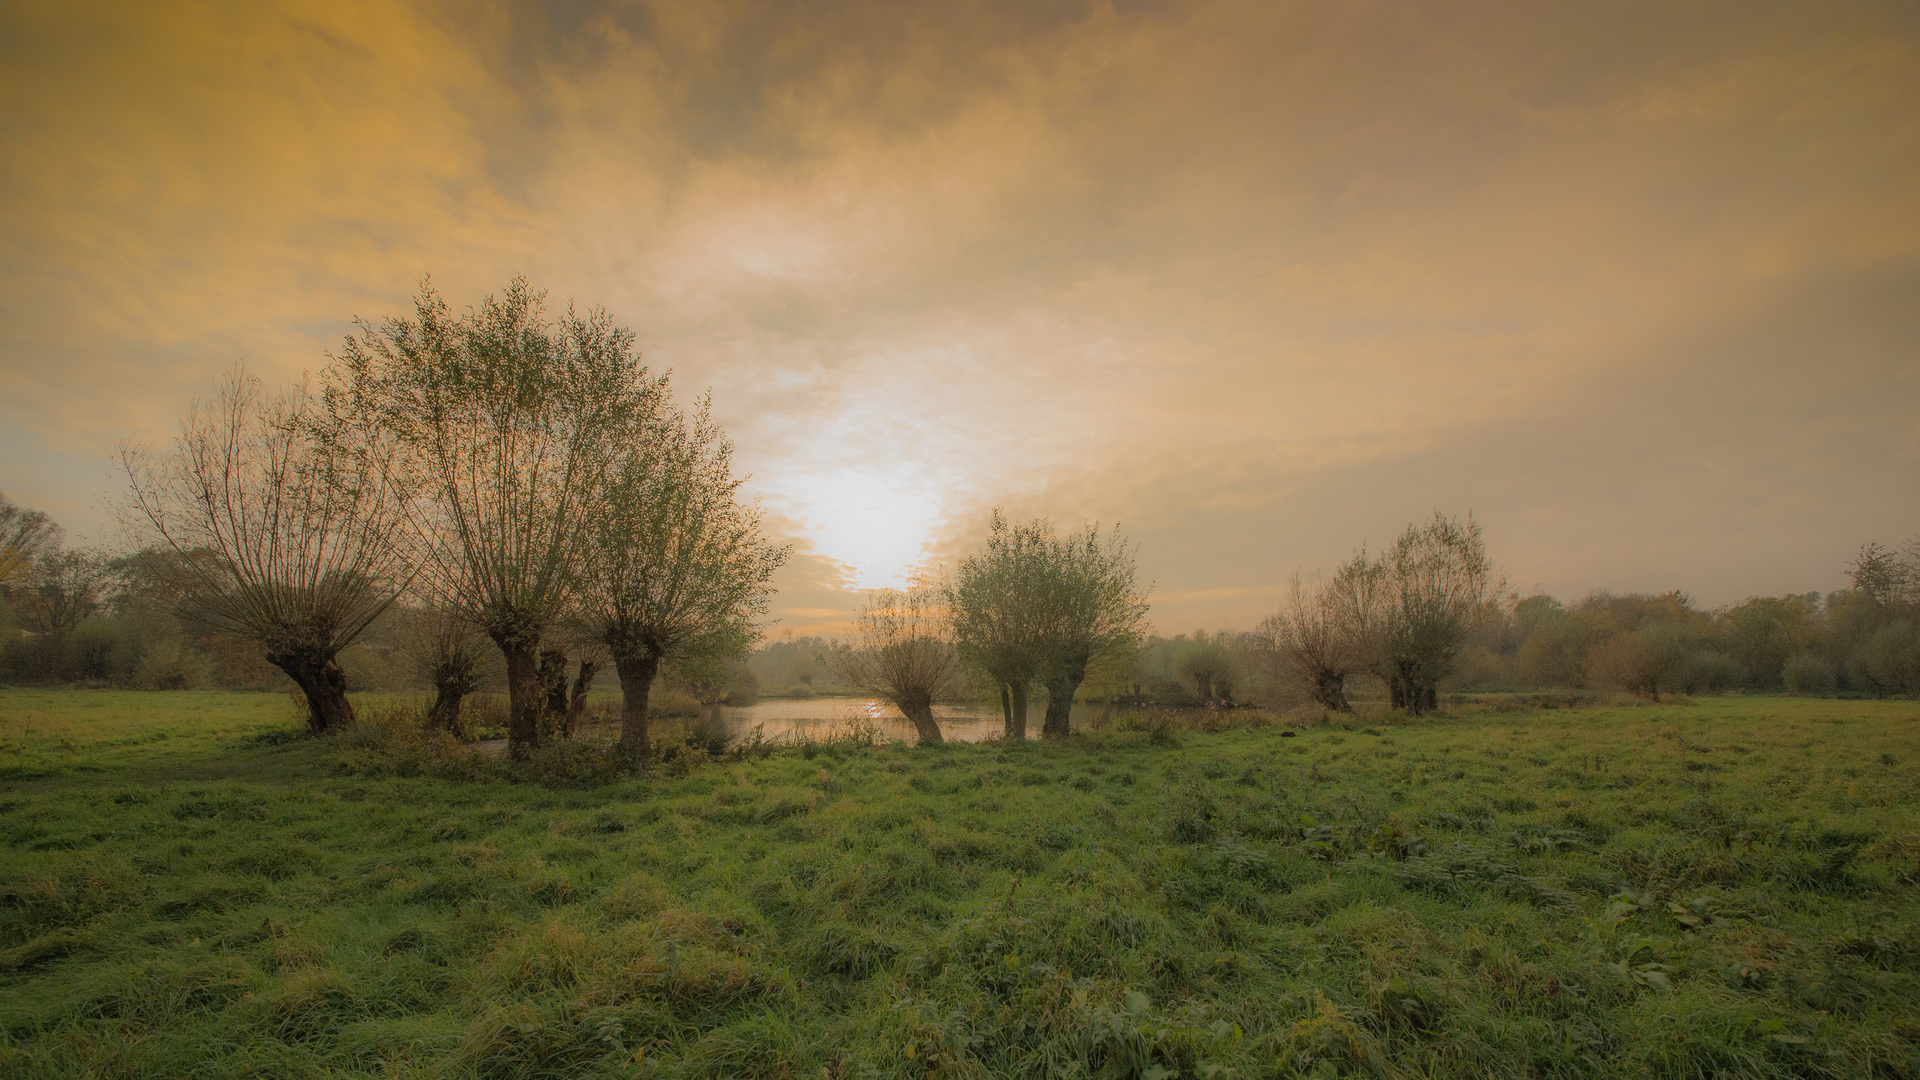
(553, 685)
(526, 698)
(1415, 691)
(919, 711)
(1020, 711)
(636, 671)
(319, 678)
(577, 705)
(1006, 708)
(445, 714)
(1330, 691)
(1059, 708)
(1396, 692)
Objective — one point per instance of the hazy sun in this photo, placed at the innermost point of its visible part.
(876, 521)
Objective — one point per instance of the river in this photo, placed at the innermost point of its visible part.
(822, 716)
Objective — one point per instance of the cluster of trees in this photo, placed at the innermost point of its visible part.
(516, 482)
(792, 666)
(1404, 615)
(1861, 640)
(1430, 610)
(85, 614)
(1032, 609)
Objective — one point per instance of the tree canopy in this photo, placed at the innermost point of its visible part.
(508, 423)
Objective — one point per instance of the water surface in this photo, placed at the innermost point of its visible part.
(822, 716)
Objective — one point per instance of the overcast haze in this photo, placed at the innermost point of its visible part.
(1638, 285)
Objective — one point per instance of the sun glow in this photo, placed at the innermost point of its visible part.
(876, 523)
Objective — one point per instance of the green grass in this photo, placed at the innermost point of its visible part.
(1718, 888)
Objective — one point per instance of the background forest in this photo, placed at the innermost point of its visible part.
(86, 616)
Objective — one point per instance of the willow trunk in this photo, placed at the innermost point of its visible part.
(1060, 693)
(319, 678)
(919, 711)
(636, 672)
(526, 698)
(446, 712)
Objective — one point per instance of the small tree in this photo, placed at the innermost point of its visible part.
(1207, 661)
(1889, 662)
(1439, 578)
(510, 426)
(904, 654)
(61, 589)
(1891, 578)
(450, 654)
(679, 569)
(286, 535)
(25, 535)
(993, 604)
(1645, 659)
(1330, 630)
(1087, 608)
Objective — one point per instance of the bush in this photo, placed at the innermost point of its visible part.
(168, 667)
(1715, 672)
(1890, 660)
(1809, 675)
(1642, 661)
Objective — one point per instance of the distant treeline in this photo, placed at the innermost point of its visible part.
(1860, 641)
(84, 616)
(88, 617)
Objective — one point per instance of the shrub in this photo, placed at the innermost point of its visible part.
(1642, 661)
(1714, 672)
(1890, 660)
(1809, 675)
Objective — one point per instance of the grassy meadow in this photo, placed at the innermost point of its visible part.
(1705, 888)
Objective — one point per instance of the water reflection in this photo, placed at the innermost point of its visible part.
(819, 717)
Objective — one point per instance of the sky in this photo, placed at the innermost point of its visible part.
(1636, 285)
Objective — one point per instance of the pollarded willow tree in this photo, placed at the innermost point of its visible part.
(1209, 662)
(510, 425)
(904, 654)
(1330, 630)
(679, 569)
(992, 602)
(1088, 607)
(1438, 581)
(286, 531)
(450, 654)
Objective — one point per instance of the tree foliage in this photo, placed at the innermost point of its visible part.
(1330, 630)
(448, 653)
(904, 653)
(678, 568)
(286, 534)
(60, 589)
(994, 603)
(1088, 608)
(25, 535)
(509, 423)
(1439, 577)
